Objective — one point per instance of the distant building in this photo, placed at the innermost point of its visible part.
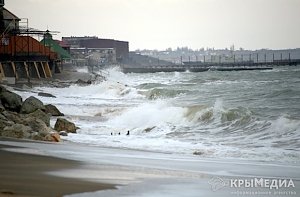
(121, 47)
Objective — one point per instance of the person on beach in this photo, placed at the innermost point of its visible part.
(128, 133)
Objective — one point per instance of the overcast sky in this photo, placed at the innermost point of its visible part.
(159, 24)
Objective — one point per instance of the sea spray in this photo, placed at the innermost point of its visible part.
(250, 114)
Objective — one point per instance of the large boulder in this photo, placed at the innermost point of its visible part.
(51, 109)
(32, 104)
(10, 101)
(39, 114)
(65, 125)
(37, 125)
(17, 131)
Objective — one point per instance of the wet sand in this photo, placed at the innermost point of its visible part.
(24, 175)
(56, 169)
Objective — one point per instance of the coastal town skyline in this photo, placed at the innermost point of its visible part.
(161, 24)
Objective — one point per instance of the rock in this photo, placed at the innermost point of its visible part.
(32, 104)
(82, 82)
(37, 136)
(53, 137)
(46, 95)
(38, 126)
(198, 153)
(149, 129)
(65, 125)
(1, 107)
(51, 109)
(39, 114)
(2, 117)
(16, 131)
(63, 133)
(5, 123)
(12, 116)
(10, 101)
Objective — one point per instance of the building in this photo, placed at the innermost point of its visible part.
(21, 55)
(55, 46)
(121, 47)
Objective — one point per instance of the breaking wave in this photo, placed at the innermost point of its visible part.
(214, 114)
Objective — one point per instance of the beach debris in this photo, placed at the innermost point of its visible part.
(51, 109)
(10, 101)
(42, 94)
(64, 125)
(32, 104)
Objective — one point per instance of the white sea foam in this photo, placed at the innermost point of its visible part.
(212, 128)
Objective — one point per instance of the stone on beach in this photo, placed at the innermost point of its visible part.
(17, 131)
(30, 119)
(41, 115)
(12, 116)
(82, 82)
(51, 109)
(46, 95)
(53, 137)
(63, 133)
(10, 101)
(65, 125)
(37, 125)
(32, 104)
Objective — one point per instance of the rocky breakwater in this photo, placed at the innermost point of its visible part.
(30, 119)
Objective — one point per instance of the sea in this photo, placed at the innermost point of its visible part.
(251, 115)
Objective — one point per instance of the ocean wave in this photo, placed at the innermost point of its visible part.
(159, 93)
(150, 85)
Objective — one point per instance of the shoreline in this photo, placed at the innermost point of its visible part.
(25, 174)
(76, 168)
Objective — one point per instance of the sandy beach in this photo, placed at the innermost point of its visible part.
(46, 169)
(24, 175)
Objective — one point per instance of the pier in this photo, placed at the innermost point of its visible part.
(199, 66)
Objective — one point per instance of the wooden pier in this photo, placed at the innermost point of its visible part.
(207, 66)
